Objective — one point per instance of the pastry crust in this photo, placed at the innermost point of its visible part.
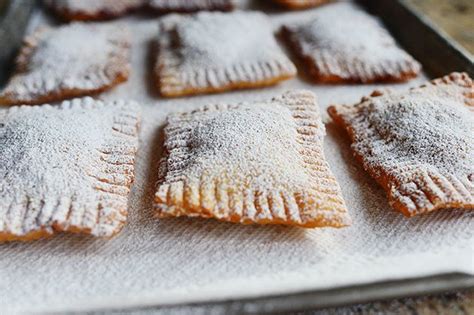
(418, 145)
(69, 61)
(250, 163)
(343, 44)
(216, 52)
(300, 4)
(166, 6)
(66, 168)
(92, 10)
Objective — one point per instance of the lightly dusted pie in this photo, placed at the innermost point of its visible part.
(342, 43)
(300, 4)
(66, 168)
(191, 5)
(261, 162)
(88, 10)
(419, 144)
(68, 61)
(214, 52)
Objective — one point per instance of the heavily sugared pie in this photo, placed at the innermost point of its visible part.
(215, 52)
(260, 162)
(68, 61)
(419, 144)
(66, 168)
(342, 43)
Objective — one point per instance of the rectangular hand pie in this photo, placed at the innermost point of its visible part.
(250, 163)
(66, 168)
(215, 52)
(68, 61)
(419, 144)
(88, 10)
(342, 43)
(165, 6)
(300, 4)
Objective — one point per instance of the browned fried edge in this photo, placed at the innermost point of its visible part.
(385, 180)
(292, 5)
(318, 77)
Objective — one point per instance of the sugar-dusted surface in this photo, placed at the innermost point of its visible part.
(418, 144)
(66, 168)
(219, 40)
(342, 43)
(214, 51)
(259, 162)
(66, 61)
(178, 260)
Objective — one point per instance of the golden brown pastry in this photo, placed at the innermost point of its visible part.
(419, 144)
(69, 61)
(341, 43)
(261, 163)
(66, 168)
(300, 4)
(216, 52)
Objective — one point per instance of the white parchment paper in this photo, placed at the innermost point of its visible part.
(162, 262)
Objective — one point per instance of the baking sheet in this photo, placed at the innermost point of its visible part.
(175, 261)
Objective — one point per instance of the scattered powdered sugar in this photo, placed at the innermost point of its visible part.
(75, 57)
(71, 45)
(59, 166)
(419, 145)
(422, 129)
(210, 52)
(343, 40)
(345, 29)
(259, 163)
(257, 143)
(222, 39)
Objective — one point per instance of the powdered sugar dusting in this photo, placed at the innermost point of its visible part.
(264, 159)
(72, 59)
(343, 40)
(419, 144)
(425, 129)
(255, 141)
(66, 168)
(214, 51)
(219, 40)
(349, 30)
